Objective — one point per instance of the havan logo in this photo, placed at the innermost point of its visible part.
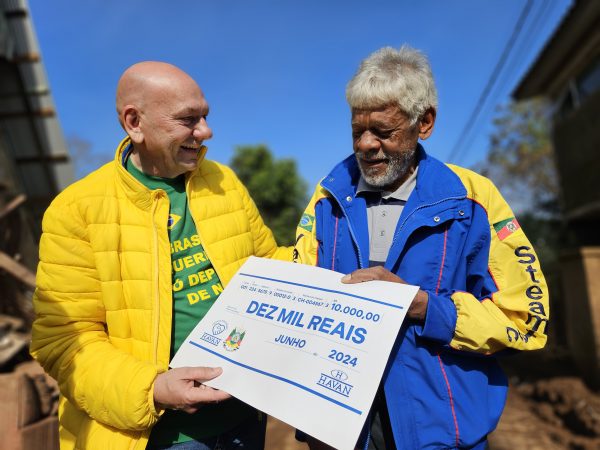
(336, 382)
(218, 327)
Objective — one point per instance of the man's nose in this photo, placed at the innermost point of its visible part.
(367, 142)
(202, 131)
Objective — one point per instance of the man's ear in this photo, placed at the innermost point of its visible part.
(130, 118)
(426, 123)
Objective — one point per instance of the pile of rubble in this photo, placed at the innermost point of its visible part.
(28, 397)
(550, 414)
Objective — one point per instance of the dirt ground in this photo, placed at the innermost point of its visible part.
(549, 414)
(280, 436)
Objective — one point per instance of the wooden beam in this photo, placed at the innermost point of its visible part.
(31, 92)
(41, 112)
(17, 13)
(17, 270)
(12, 205)
(41, 158)
(29, 57)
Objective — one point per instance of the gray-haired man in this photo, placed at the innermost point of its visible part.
(392, 212)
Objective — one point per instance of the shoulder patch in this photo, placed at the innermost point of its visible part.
(506, 227)
(307, 222)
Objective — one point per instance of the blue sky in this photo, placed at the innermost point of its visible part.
(274, 72)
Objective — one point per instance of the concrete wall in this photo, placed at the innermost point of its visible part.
(581, 284)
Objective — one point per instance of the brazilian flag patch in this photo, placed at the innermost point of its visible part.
(506, 227)
(172, 221)
(307, 222)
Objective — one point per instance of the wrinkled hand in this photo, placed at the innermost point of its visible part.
(417, 309)
(182, 388)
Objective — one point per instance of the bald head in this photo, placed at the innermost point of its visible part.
(163, 111)
(147, 82)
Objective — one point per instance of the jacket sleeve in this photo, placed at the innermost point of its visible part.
(306, 249)
(69, 337)
(264, 242)
(506, 303)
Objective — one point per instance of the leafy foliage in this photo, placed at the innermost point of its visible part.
(275, 186)
(520, 159)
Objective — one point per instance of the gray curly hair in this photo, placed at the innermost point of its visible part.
(388, 76)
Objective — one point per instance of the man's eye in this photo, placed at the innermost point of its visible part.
(382, 134)
(189, 120)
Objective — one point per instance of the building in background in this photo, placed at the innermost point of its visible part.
(34, 159)
(34, 167)
(567, 72)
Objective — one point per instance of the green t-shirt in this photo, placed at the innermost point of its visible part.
(196, 286)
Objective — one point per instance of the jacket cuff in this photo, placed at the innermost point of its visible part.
(440, 320)
(154, 410)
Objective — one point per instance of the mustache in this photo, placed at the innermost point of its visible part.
(374, 155)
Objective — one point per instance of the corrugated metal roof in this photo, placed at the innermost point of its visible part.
(30, 135)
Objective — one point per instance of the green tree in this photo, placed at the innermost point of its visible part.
(276, 187)
(521, 163)
(521, 160)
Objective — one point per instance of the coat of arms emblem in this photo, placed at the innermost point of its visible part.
(234, 340)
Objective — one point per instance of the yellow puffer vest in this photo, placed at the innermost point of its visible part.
(104, 301)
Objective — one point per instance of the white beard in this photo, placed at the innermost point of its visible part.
(398, 166)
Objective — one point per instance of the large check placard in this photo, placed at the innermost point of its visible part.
(300, 345)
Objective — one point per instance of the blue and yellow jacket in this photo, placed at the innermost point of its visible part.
(458, 240)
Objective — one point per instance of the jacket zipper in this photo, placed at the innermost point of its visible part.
(156, 274)
(360, 264)
(399, 229)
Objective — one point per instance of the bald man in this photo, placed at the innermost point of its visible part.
(131, 258)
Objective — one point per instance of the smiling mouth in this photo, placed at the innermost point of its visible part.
(191, 150)
(374, 162)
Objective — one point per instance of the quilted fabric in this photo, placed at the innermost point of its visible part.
(104, 301)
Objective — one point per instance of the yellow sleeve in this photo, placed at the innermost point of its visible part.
(69, 336)
(517, 313)
(306, 246)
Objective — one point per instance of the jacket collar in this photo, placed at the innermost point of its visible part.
(435, 181)
(136, 191)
